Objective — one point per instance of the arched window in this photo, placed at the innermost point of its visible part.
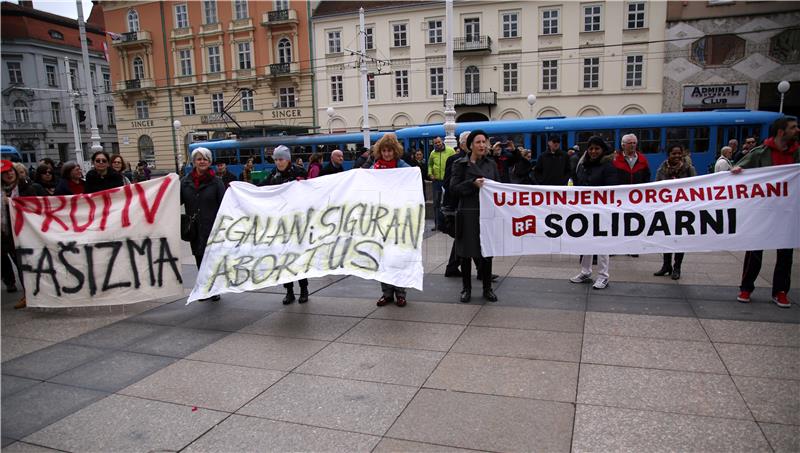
(138, 68)
(21, 113)
(284, 51)
(146, 150)
(472, 80)
(133, 20)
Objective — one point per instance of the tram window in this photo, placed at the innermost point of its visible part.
(227, 155)
(582, 138)
(724, 134)
(701, 140)
(679, 136)
(539, 142)
(649, 139)
(250, 153)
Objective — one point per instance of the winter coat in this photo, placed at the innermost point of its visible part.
(449, 198)
(437, 160)
(314, 170)
(207, 199)
(598, 172)
(686, 171)
(227, 178)
(761, 156)
(639, 174)
(95, 182)
(329, 169)
(62, 188)
(520, 169)
(468, 231)
(277, 177)
(722, 164)
(552, 169)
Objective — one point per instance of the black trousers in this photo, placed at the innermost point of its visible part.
(8, 269)
(303, 285)
(484, 266)
(455, 261)
(781, 278)
(678, 259)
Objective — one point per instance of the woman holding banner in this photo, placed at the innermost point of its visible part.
(14, 185)
(388, 153)
(71, 182)
(201, 194)
(674, 167)
(469, 174)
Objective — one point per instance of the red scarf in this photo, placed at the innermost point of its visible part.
(198, 179)
(779, 156)
(380, 163)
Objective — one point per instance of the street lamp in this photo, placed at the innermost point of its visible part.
(178, 154)
(783, 87)
(531, 101)
(330, 111)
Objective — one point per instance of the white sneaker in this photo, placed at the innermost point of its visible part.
(600, 283)
(581, 278)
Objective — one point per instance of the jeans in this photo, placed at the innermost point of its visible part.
(781, 278)
(438, 217)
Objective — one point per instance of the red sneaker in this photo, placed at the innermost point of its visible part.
(744, 297)
(384, 301)
(781, 300)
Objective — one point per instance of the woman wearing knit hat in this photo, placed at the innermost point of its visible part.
(286, 172)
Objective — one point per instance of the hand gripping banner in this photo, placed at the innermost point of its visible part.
(118, 246)
(367, 223)
(757, 209)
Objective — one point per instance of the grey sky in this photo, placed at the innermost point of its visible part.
(66, 8)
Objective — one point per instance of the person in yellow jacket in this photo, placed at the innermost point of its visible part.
(436, 166)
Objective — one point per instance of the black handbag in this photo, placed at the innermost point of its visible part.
(189, 226)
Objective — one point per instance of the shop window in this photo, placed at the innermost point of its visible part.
(720, 50)
(785, 46)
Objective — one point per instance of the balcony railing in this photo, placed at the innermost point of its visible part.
(280, 68)
(280, 16)
(470, 99)
(132, 37)
(133, 84)
(472, 43)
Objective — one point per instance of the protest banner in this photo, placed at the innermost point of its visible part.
(114, 247)
(367, 223)
(755, 210)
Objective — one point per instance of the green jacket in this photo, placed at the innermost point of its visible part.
(437, 161)
(761, 156)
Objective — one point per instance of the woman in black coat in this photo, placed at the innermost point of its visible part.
(102, 176)
(201, 193)
(469, 174)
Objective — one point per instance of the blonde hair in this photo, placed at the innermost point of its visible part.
(389, 140)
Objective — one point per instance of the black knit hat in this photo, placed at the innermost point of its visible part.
(598, 140)
(472, 136)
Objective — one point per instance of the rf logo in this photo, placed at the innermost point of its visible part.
(524, 225)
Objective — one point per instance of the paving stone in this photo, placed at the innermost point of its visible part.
(14, 347)
(202, 384)
(758, 310)
(57, 326)
(438, 288)
(505, 376)
(760, 333)
(40, 405)
(682, 392)
(373, 363)
(530, 318)
(606, 303)
(176, 313)
(709, 292)
(599, 428)
(782, 438)
(485, 422)
(651, 353)
(12, 384)
(256, 301)
(334, 306)
(642, 290)
(22, 447)
(176, 342)
(761, 361)
(541, 285)
(403, 334)
(387, 445)
(51, 361)
(259, 351)
(230, 320)
(113, 371)
(117, 335)
(239, 433)
(349, 286)
(363, 407)
(297, 325)
(528, 344)
(771, 400)
(120, 423)
(667, 327)
(429, 312)
(519, 297)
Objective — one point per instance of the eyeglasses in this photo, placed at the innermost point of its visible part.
(100, 161)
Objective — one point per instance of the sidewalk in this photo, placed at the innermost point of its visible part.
(649, 364)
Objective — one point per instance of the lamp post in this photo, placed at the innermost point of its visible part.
(531, 101)
(330, 111)
(178, 155)
(783, 87)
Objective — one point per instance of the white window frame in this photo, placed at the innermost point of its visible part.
(217, 102)
(210, 13)
(240, 10)
(14, 72)
(107, 82)
(286, 97)
(435, 33)
(550, 72)
(594, 70)
(634, 71)
(436, 81)
(284, 51)
(22, 113)
(181, 15)
(142, 110)
(215, 60)
(337, 88)
(553, 24)
(509, 27)
(281, 5)
(55, 112)
(138, 69)
(334, 41)
(588, 12)
(244, 55)
(369, 37)
(247, 101)
(51, 72)
(185, 62)
(111, 117)
(133, 20)
(510, 77)
(189, 106)
(632, 17)
(401, 83)
(399, 34)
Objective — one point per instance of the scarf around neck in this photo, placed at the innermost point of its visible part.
(198, 179)
(380, 163)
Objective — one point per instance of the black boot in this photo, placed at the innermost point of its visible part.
(666, 268)
(289, 297)
(676, 268)
(466, 295)
(489, 295)
(303, 295)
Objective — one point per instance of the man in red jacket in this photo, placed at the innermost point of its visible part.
(631, 165)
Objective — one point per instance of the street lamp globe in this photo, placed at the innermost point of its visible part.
(176, 124)
(531, 99)
(330, 111)
(783, 86)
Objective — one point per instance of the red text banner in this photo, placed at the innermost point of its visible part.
(118, 246)
(754, 210)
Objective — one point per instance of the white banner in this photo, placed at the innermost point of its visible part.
(367, 223)
(114, 247)
(755, 210)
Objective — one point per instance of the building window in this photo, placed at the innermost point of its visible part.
(21, 112)
(510, 24)
(437, 81)
(133, 21)
(181, 16)
(549, 75)
(785, 46)
(510, 78)
(369, 38)
(52, 77)
(106, 82)
(14, 72)
(55, 34)
(550, 21)
(592, 15)
(244, 55)
(472, 80)
(591, 72)
(93, 80)
(634, 67)
(240, 9)
(400, 35)
(73, 77)
(185, 59)
(435, 35)
(147, 152)
(281, 5)
(247, 101)
(401, 83)
(138, 70)
(371, 87)
(188, 106)
(217, 103)
(55, 112)
(472, 29)
(337, 89)
(718, 50)
(335, 41)
(214, 60)
(210, 11)
(142, 110)
(111, 119)
(636, 13)
(286, 98)
(284, 51)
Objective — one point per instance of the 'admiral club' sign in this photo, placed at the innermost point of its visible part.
(714, 96)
